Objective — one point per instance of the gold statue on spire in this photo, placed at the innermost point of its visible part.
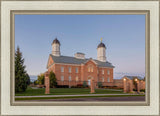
(101, 39)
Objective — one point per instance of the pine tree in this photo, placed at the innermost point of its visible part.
(21, 76)
(28, 79)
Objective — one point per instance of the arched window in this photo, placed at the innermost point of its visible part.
(90, 68)
(102, 71)
(76, 78)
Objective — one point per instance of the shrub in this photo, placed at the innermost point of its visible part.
(99, 84)
(84, 84)
(134, 89)
(133, 92)
(142, 90)
(141, 93)
(73, 86)
(62, 86)
(79, 86)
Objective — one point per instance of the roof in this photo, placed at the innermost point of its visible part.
(101, 45)
(56, 41)
(132, 77)
(73, 60)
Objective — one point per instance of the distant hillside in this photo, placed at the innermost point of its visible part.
(119, 75)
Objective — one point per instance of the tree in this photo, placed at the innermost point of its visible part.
(28, 79)
(35, 82)
(53, 80)
(40, 79)
(21, 76)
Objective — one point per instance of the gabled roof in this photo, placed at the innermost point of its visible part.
(132, 77)
(73, 60)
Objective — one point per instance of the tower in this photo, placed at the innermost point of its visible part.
(56, 47)
(101, 52)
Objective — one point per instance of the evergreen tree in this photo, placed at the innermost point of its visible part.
(21, 76)
(28, 79)
(53, 80)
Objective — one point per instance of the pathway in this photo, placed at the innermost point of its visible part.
(73, 95)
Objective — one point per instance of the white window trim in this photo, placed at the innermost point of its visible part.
(62, 78)
(102, 79)
(69, 69)
(62, 69)
(70, 78)
(108, 72)
(76, 69)
(108, 79)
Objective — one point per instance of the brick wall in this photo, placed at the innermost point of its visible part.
(118, 83)
(83, 73)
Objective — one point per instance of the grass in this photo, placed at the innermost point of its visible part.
(70, 97)
(65, 91)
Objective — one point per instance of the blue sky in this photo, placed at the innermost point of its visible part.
(123, 35)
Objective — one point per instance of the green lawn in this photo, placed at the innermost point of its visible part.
(64, 91)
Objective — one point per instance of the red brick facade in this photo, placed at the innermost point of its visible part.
(86, 71)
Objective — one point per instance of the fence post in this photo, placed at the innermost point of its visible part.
(47, 83)
(92, 86)
(138, 86)
(124, 85)
(131, 86)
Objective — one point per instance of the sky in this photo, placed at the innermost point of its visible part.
(123, 35)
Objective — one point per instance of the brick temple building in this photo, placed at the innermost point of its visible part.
(78, 69)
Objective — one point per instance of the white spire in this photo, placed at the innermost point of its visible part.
(101, 52)
(56, 47)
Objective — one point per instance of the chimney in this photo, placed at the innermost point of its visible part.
(79, 55)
